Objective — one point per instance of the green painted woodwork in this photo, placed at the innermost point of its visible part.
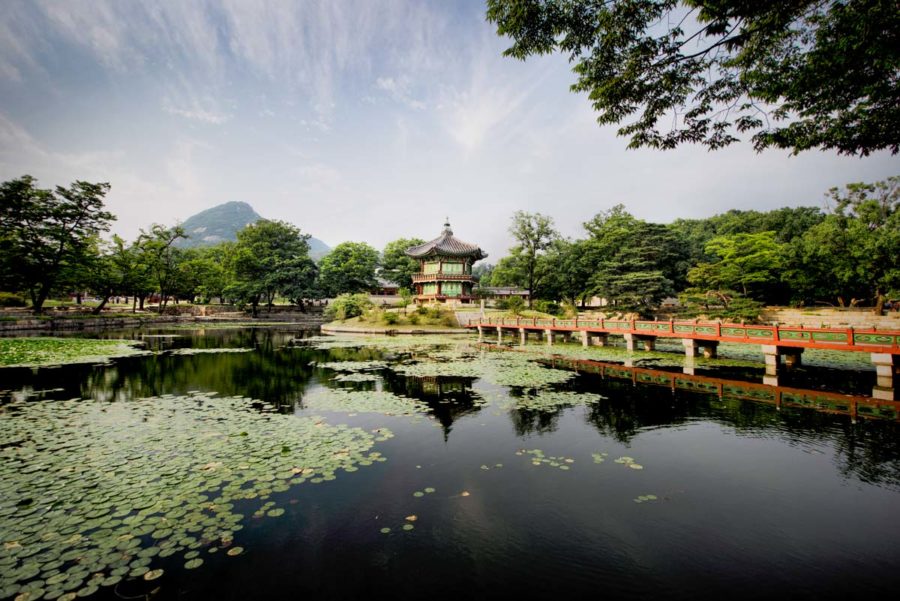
(451, 288)
(829, 336)
(794, 335)
(431, 267)
(429, 289)
(453, 268)
(755, 333)
(735, 332)
(684, 329)
(873, 339)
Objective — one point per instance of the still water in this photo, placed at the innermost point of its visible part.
(462, 472)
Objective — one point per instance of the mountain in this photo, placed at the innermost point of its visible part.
(224, 221)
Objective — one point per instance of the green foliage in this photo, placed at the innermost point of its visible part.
(633, 263)
(800, 74)
(46, 235)
(515, 305)
(271, 258)
(524, 267)
(9, 299)
(161, 257)
(745, 261)
(719, 304)
(346, 306)
(390, 318)
(348, 268)
(545, 306)
(396, 266)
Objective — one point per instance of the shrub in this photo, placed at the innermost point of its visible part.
(348, 305)
(422, 310)
(515, 305)
(10, 299)
(449, 319)
(413, 319)
(390, 318)
(546, 307)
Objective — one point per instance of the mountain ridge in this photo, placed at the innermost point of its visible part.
(222, 223)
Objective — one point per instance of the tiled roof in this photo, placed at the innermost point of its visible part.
(446, 245)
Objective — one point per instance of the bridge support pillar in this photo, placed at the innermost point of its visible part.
(692, 346)
(887, 371)
(499, 335)
(598, 339)
(585, 338)
(548, 334)
(523, 336)
(689, 366)
(633, 341)
(480, 333)
(773, 354)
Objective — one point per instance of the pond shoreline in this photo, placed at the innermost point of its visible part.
(75, 324)
(332, 328)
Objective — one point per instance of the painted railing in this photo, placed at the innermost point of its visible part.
(870, 340)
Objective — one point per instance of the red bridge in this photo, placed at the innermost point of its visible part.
(777, 341)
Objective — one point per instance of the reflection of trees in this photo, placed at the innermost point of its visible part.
(271, 373)
(449, 398)
(529, 421)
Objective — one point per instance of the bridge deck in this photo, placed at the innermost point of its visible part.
(840, 339)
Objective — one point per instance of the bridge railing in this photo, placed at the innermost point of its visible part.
(761, 334)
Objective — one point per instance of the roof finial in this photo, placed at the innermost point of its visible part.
(447, 231)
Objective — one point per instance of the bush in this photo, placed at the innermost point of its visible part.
(413, 319)
(390, 318)
(515, 304)
(10, 299)
(422, 310)
(348, 305)
(547, 307)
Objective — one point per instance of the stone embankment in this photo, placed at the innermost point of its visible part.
(67, 321)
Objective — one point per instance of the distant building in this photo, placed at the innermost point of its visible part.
(445, 269)
(386, 288)
(503, 292)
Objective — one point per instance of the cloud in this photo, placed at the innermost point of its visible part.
(196, 112)
(399, 90)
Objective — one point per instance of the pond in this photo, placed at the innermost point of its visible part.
(270, 463)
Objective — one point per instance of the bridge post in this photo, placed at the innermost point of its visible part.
(690, 347)
(523, 337)
(632, 341)
(548, 334)
(772, 357)
(480, 333)
(499, 335)
(585, 338)
(887, 370)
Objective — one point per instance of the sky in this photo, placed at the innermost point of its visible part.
(363, 120)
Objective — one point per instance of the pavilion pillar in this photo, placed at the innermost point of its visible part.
(887, 370)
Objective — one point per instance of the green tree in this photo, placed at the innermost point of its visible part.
(348, 268)
(633, 264)
(45, 234)
(534, 234)
(161, 258)
(396, 266)
(569, 271)
(802, 74)
(854, 253)
(745, 262)
(270, 257)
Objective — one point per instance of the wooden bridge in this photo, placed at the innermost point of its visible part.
(776, 341)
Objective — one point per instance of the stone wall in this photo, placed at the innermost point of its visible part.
(832, 317)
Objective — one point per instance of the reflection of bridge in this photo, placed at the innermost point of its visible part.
(780, 396)
(776, 341)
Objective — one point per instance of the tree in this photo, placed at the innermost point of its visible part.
(569, 271)
(271, 257)
(47, 233)
(802, 74)
(348, 268)
(161, 257)
(633, 264)
(534, 233)
(854, 253)
(746, 262)
(396, 266)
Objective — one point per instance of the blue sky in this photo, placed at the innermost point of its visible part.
(365, 120)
